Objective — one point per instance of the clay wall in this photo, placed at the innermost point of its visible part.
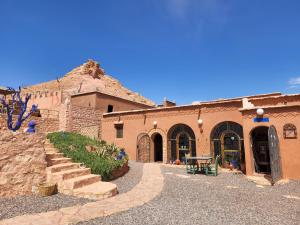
(101, 101)
(46, 100)
(289, 148)
(279, 100)
(142, 122)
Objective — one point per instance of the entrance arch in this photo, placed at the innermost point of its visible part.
(227, 140)
(158, 147)
(266, 152)
(181, 140)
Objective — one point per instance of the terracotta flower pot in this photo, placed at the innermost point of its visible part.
(177, 162)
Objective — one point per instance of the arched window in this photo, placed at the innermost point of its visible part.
(181, 140)
(227, 140)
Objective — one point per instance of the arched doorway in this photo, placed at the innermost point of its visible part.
(266, 152)
(158, 147)
(143, 148)
(260, 149)
(181, 141)
(227, 141)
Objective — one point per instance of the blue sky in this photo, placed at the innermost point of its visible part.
(185, 50)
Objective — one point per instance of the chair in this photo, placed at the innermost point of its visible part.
(190, 165)
(213, 169)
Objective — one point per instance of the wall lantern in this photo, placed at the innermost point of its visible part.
(200, 122)
(155, 123)
(260, 112)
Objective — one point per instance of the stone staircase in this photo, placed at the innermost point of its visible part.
(73, 178)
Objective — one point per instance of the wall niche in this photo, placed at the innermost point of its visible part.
(289, 131)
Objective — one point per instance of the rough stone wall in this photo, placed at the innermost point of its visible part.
(64, 116)
(44, 125)
(85, 120)
(22, 162)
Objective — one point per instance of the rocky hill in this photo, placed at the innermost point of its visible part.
(88, 77)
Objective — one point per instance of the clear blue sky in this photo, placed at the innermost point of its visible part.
(185, 50)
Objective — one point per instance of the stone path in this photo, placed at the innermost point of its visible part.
(131, 178)
(148, 188)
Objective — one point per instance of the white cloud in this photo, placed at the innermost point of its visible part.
(178, 8)
(294, 82)
(199, 10)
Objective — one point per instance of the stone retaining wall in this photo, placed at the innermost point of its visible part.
(22, 162)
(44, 124)
(86, 121)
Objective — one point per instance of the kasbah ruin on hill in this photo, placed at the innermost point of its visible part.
(88, 101)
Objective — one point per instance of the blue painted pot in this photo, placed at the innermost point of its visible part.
(234, 163)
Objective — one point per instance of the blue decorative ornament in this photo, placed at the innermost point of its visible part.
(16, 100)
(31, 127)
(121, 154)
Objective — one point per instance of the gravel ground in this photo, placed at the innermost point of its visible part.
(130, 179)
(225, 199)
(11, 207)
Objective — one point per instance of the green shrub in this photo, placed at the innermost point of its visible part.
(101, 160)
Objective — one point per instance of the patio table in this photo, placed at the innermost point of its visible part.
(203, 161)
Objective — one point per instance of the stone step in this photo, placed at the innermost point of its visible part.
(54, 155)
(81, 181)
(97, 191)
(57, 161)
(52, 149)
(69, 174)
(62, 167)
(48, 144)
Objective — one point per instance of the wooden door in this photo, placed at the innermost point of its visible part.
(274, 152)
(143, 148)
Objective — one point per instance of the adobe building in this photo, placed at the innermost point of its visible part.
(258, 133)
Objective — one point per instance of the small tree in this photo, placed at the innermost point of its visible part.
(16, 99)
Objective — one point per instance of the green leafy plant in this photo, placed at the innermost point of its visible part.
(101, 160)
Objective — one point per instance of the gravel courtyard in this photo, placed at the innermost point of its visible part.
(185, 199)
(20, 205)
(225, 199)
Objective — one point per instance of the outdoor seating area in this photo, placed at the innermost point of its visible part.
(202, 164)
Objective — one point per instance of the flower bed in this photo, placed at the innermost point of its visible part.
(95, 154)
(119, 172)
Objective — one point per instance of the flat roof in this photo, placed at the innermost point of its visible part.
(218, 101)
(99, 92)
